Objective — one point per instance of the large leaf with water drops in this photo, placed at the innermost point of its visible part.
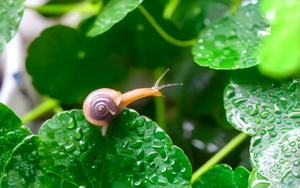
(21, 153)
(135, 152)
(113, 12)
(223, 176)
(269, 111)
(280, 50)
(231, 43)
(11, 12)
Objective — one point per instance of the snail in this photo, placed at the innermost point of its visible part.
(103, 105)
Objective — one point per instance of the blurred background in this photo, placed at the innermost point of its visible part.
(50, 57)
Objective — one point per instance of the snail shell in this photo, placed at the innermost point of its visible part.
(101, 106)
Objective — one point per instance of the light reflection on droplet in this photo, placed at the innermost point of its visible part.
(198, 144)
(212, 147)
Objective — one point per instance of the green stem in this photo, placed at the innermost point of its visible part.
(48, 171)
(39, 110)
(87, 7)
(170, 8)
(219, 156)
(160, 108)
(235, 7)
(164, 34)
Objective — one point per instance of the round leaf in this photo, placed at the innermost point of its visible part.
(232, 42)
(135, 152)
(223, 176)
(269, 111)
(67, 65)
(11, 12)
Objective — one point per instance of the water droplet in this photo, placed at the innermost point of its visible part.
(293, 150)
(254, 111)
(151, 156)
(70, 147)
(156, 141)
(278, 121)
(147, 138)
(136, 144)
(153, 179)
(159, 133)
(273, 134)
(71, 124)
(287, 154)
(279, 167)
(284, 149)
(281, 161)
(264, 114)
(296, 163)
(270, 128)
(263, 96)
(140, 132)
(296, 174)
(76, 153)
(162, 180)
(140, 154)
(293, 143)
(82, 145)
(239, 101)
(78, 134)
(257, 120)
(263, 132)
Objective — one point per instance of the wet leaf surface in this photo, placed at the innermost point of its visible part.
(72, 152)
(20, 155)
(11, 12)
(269, 111)
(223, 176)
(231, 43)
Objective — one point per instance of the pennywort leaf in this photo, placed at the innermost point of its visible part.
(70, 151)
(231, 43)
(67, 65)
(268, 111)
(223, 176)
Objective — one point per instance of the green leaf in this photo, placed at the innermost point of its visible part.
(232, 42)
(72, 152)
(113, 12)
(11, 12)
(269, 111)
(20, 158)
(67, 65)
(136, 152)
(223, 176)
(280, 51)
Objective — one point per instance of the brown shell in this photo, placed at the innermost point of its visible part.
(104, 95)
